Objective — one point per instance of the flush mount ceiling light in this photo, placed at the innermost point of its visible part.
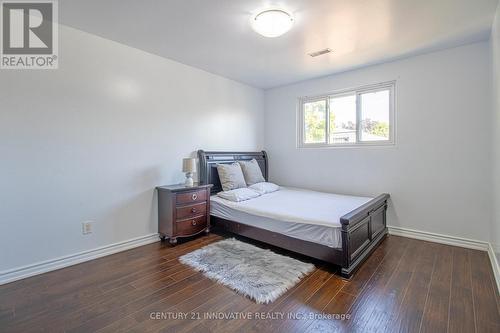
(272, 22)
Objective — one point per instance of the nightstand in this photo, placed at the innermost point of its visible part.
(183, 211)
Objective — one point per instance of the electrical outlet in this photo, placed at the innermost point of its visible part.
(87, 227)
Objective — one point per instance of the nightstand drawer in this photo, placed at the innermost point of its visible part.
(191, 226)
(191, 210)
(193, 196)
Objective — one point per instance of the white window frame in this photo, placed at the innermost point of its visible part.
(391, 86)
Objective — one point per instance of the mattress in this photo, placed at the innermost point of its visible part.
(303, 214)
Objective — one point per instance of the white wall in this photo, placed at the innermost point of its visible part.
(91, 140)
(439, 179)
(495, 56)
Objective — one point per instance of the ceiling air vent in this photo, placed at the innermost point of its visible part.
(320, 52)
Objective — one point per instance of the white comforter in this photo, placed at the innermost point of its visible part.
(299, 206)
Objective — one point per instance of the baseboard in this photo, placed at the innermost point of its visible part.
(438, 238)
(73, 259)
(494, 265)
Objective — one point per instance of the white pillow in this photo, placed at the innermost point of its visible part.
(264, 187)
(231, 176)
(251, 171)
(239, 194)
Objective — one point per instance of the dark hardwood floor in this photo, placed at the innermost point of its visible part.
(405, 286)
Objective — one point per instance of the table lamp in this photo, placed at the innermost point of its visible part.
(189, 166)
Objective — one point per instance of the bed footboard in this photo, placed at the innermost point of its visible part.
(362, 230)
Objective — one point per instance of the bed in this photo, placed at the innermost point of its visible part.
(338, 229)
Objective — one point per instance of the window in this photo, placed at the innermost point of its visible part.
(363, 116)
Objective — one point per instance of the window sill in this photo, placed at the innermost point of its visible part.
(349, 146)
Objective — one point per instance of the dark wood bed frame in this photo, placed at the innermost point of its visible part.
(362, 229)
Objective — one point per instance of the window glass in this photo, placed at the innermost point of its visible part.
(343, 119)
(375, 115)
(315, 122)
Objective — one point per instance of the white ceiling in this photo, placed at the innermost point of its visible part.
(215, 35)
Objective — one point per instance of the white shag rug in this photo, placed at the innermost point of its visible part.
(259, 274)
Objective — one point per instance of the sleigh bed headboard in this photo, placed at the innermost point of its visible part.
(208, 161)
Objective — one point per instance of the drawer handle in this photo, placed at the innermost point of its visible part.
(194, 196)
(193, 210)
(193, 222)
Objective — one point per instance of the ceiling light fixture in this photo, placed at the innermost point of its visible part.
(272, 22)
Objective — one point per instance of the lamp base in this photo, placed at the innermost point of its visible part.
(189, 179)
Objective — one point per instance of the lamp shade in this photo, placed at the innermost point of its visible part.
(189, 165)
